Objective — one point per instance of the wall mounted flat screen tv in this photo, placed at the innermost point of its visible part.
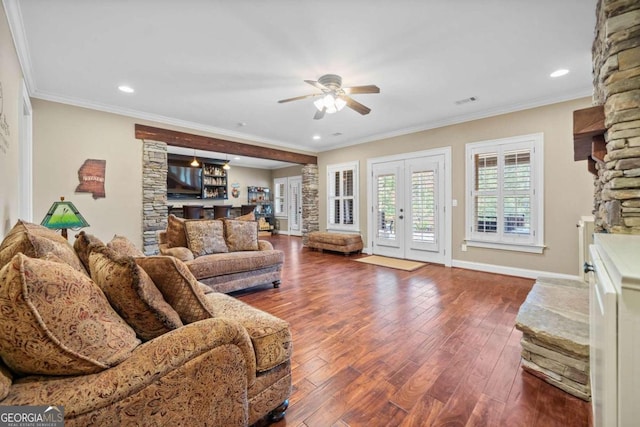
(184, 181)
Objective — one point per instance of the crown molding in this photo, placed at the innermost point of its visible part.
(14, 18)
(512, 108)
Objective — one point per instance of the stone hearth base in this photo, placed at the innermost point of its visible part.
(554, 320)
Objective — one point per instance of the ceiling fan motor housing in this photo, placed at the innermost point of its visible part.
(331, 81)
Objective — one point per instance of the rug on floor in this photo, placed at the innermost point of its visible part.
(400, 264)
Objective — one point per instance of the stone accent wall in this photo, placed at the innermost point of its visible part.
(616, 65)
(154, 194)
(310, 214)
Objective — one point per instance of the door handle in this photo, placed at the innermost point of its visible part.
(401, 217)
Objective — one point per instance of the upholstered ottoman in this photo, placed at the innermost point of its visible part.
(339, 242)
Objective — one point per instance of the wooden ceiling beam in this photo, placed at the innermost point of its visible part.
(199, 142)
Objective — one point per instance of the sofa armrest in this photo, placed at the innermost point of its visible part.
(153, 371)
(264, 245)
(183, 254)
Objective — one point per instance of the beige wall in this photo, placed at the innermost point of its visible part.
(11, 81)
(568, 185)
(65, 136)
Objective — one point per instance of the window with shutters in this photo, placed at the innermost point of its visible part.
(504, 204)
(280, 197)
(342, 192)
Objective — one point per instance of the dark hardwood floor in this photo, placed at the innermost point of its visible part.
(375, 346)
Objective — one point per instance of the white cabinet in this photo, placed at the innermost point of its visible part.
(615, 330)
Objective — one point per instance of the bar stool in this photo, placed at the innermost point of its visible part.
(192, 211)
(247, 209)
(221, 211)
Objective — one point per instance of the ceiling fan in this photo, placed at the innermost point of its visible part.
(334, 97)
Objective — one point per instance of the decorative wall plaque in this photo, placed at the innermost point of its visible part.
(91, 176)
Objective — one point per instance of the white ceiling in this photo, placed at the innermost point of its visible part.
(212, 65)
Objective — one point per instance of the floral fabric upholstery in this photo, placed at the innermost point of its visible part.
(5, 381)
(132, 293)
(81, 246)
(56, 321)
(183, 254)
(251, 216)
(181, 290)
(205, 237)
(196, 375)
(241, 235)
(270, 335)
(340, 242)
(176, 235)
(234, 262)
(270, 386)
(124, 246)
(35, 241)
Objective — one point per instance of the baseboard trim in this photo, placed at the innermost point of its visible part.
(510, 271)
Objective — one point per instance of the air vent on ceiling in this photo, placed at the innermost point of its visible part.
(467, 100)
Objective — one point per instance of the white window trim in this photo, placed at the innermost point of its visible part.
(331, 169)
(536, 142)
(284, 197)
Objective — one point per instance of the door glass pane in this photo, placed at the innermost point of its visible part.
(386, 195)
(423, 206)
(295, 206)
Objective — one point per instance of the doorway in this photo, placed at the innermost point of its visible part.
(295, 205)
(409, 196)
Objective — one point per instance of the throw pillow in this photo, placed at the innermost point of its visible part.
(35, 241)
(124, 246)
(81, 246)
(241, 235)
(181, 290)
(56, 321)
(251, 216)
(205, 237)
(176, 235)
(132, 293)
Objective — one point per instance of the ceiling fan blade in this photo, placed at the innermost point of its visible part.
(297, 98)
(317, 85)
(361, 89)
(355, 105)
(320, 113)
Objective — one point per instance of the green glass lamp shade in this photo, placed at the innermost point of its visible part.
(63, 215)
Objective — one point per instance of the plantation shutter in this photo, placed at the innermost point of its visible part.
(423, 206)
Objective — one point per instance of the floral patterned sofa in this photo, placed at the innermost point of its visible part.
(225, 255)
(118, 339)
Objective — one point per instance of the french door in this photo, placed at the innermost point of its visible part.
(408, 208)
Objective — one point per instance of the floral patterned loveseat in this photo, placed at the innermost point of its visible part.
(225, 255)
(117, 338)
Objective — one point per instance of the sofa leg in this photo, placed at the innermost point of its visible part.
(276, 284)
(278, 413)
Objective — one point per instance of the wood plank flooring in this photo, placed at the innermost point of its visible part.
(437, 346)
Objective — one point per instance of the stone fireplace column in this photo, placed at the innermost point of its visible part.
(616, 65)
(310, 214)
(154, 194)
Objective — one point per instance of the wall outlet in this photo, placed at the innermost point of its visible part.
(463, 247)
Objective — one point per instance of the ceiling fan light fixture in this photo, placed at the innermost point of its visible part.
(330, 103)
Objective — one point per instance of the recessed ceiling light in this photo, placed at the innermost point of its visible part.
(316, 137)
(242, 124)
(559, 73)
(125, 89)
(236, 158)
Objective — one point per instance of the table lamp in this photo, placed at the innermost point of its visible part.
(63, 215)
